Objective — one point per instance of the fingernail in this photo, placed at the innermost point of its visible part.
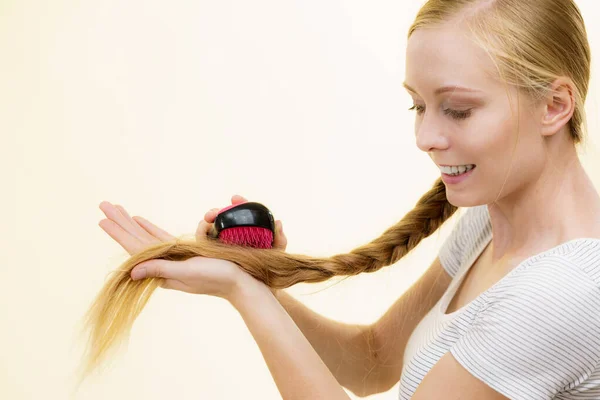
(139, 273)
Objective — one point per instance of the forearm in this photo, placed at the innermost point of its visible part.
(297, 369)
(346, 349)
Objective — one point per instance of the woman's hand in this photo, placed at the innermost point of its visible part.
(198, 275)
(136, 234)
(279, 241)
(133, 234)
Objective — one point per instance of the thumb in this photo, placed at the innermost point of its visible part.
(280, 241)
(159, 268)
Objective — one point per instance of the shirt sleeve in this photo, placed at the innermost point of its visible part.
(468, 233)
(538, 334)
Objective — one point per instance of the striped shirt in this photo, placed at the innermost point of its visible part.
(533, 335)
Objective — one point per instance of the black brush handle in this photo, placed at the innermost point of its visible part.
(245, 214)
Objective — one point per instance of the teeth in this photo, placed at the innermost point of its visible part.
(457, 170)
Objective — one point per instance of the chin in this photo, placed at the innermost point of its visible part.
(463, 200)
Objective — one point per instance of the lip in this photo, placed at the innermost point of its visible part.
(453, 180)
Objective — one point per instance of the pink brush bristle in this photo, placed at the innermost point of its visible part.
(252, 236)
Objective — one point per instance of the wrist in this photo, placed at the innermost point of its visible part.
(274, 291)
(246, 289)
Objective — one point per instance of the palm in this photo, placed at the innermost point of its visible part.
(204, 275)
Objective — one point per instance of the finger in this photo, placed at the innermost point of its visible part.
(113, 213)
(213, 212)
(174, 284)
(153, 229)
(203, 229)
(143, 234)
(280, 241)
(211, 215)
(130, 243)
(237, 199)
(159, 268)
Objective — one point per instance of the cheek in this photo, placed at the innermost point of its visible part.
(508, 146)
(493, 136)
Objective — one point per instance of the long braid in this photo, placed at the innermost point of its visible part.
(120, 301)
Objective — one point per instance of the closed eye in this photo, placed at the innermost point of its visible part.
(456, 114)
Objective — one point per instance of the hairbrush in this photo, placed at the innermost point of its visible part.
(248, 224)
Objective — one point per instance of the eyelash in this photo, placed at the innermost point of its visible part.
(453, 113)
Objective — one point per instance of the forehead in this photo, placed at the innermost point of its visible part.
(446, 55)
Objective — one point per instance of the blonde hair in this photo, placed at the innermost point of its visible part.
(531, 43)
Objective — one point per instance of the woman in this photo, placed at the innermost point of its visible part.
(510, 309)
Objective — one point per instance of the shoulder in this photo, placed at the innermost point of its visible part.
(560, 286)
(539, 330)
(584, 254)
(569, 273)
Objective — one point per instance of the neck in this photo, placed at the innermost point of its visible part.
(560, 206)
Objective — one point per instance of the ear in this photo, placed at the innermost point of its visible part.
(559, 106)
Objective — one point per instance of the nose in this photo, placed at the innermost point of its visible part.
(430, 136)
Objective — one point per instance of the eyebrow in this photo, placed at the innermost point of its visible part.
(445, 89)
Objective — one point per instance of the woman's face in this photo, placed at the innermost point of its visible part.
(457, 127)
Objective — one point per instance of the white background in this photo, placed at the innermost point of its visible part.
(169, 109)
